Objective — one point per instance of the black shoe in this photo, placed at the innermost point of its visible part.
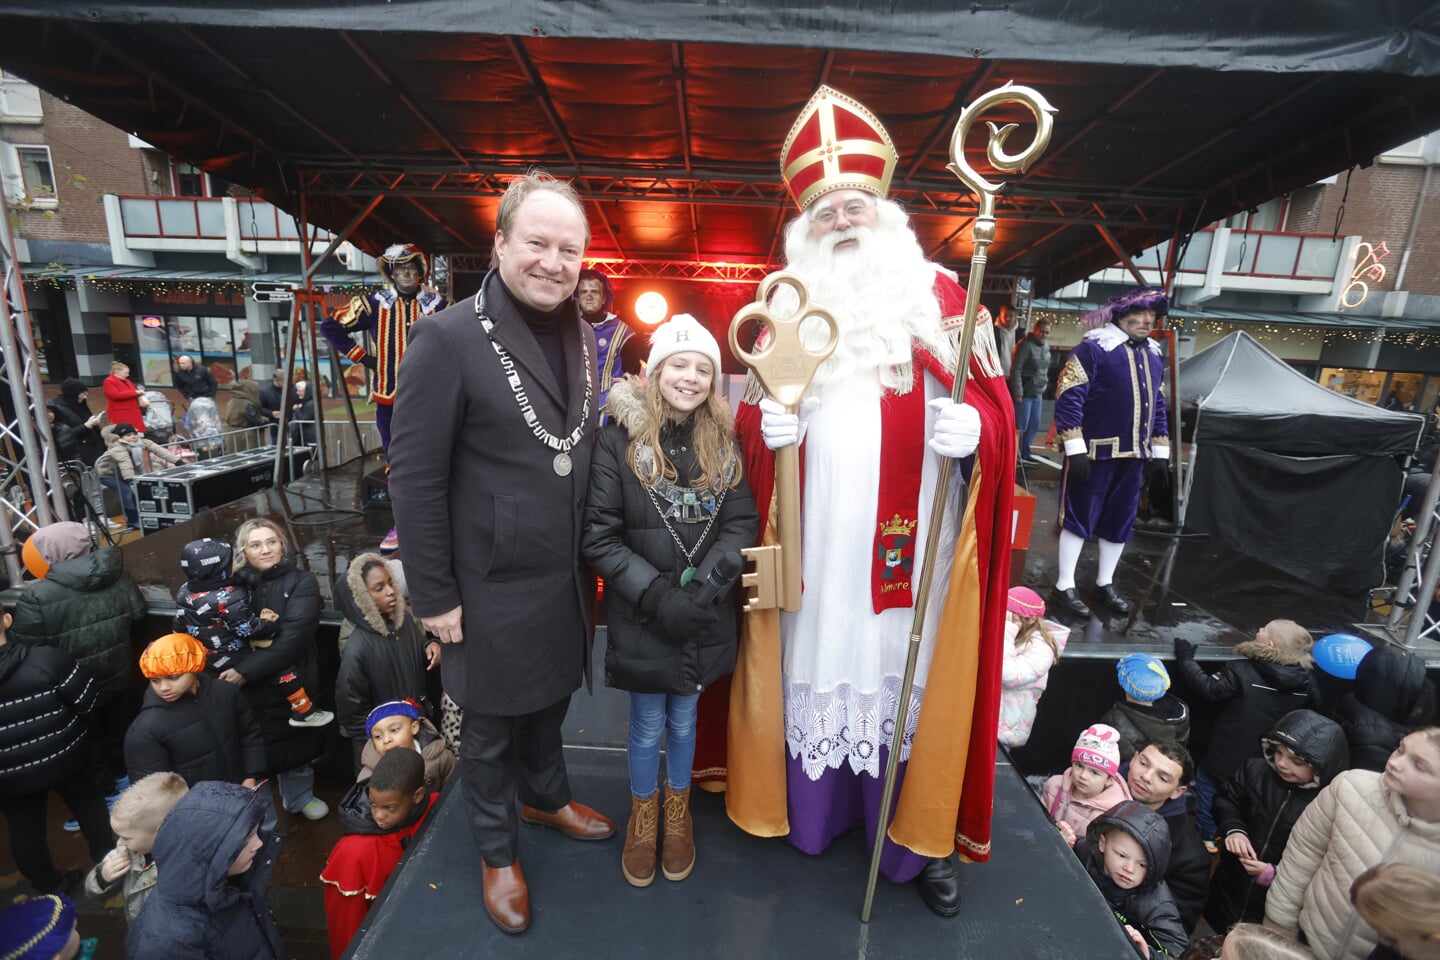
(1110, 598)
(1070, 602)
(1030, 461)
(939, 885)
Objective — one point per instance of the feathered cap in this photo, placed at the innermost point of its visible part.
(836, 143)
(1141, 298)
(398, 253)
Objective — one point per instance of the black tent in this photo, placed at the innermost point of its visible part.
(1288, 471)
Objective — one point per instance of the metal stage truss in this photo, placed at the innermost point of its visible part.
(1413, 612)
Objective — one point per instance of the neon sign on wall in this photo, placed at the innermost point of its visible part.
(1367, 267)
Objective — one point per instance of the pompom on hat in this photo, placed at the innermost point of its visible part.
(682, 333)
(1142, 677)
(37, 929)
(173, 654)
(391, 708)
(1024, 602)
(50, 545)
(1098, 747)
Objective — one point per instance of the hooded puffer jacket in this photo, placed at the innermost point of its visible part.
(1355, 823)
(45, 698)
(211, 606)
(1388, 682)
(627, 543)
(196, 910)
(85, 606)
(209, 734)
(384, 658)
(1147, 907)
(1254, 692)
(1257, 803)
(439, 761)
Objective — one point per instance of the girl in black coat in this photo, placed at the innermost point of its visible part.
(667, 501)
(1257, 808)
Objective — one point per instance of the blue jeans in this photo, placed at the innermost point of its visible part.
(127, 498)
(1205, 786)
(1027, 418)
(652, 714)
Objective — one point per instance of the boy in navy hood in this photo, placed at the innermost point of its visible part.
(1126, 851)
(1256, 809)
(214, 865)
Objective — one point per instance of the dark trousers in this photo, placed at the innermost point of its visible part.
(108, 722)
(27, 819)
(500, 756)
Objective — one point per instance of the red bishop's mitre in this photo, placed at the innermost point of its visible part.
(835, 143)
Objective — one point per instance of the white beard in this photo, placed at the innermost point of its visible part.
(880, 292)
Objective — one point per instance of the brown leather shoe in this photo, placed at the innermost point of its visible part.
(677, 852)
(507, 899)
(575, 820)
(637, 860)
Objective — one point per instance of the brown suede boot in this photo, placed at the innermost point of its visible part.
(637, 860)
(677, 855)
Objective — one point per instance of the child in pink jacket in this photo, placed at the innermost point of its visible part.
(1093, 783)
(1032, 645)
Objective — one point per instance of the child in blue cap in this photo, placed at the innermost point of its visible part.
(1149, 711)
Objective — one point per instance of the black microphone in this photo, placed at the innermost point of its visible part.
(722, 577)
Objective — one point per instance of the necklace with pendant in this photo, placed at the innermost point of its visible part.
(561, 464)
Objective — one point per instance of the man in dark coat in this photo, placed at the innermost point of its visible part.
(490, 459)
(45, 698)
(214, 862)
(193, 381)
(1157, 776)
(73, 410)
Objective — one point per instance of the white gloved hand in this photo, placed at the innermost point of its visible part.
(957, 428)
(780, 429)
(1160, 451)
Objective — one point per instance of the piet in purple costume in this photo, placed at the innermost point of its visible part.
(1110, 414)
(384, 318)
(612, 335)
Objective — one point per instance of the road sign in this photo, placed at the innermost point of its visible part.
(267, 291)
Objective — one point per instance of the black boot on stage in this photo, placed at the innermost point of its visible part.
(1069, 602)
(1110, 598)
(939, 885)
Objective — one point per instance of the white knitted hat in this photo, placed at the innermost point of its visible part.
(682, 333)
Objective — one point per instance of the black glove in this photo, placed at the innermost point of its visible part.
(1184, 649)
(1077, 466)
(676, 611)
(368, 361)
(1156, 469)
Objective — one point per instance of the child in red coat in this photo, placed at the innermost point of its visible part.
(380, 815)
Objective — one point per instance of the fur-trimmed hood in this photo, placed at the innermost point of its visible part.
(625, 403)
(1265, 653)
(356, 605)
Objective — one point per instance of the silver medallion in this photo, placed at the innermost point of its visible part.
(562, 465)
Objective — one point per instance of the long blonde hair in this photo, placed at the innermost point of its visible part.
(1032, 627)
(1250, 941)
(714, 442)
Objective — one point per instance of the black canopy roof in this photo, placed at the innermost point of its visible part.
(670, 116)
(1237, 392)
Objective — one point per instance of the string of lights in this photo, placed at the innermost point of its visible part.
(1265, 332)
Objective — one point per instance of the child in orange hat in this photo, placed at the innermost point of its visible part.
(190, 722)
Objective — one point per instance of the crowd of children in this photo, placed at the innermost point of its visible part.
(1321, 848)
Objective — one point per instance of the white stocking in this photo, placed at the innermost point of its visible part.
(1109, 559)
(1070, 546)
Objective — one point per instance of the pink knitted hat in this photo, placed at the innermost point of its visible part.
(1024, 602)
(1098, 747)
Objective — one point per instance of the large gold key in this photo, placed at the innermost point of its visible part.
(784, 365)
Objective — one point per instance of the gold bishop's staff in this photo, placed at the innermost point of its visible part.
(982, 234)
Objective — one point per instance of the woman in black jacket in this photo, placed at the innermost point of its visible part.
(267, 567)
(1257, 808)
(667, 501)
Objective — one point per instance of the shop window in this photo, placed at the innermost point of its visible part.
(1366, 385)
(1404, 392)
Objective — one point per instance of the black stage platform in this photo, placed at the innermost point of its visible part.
(748, 897)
